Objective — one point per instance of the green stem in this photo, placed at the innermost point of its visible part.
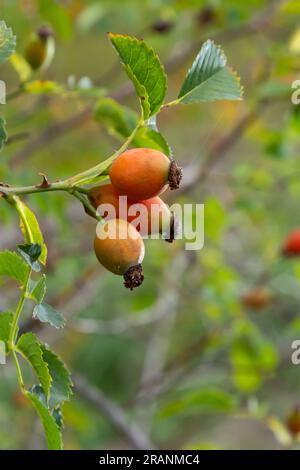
(171, 103)
(14, 329)
(73, 181)
(19, 190)
(87, 204)
(14, 325)
(98, 169)
(18, 370)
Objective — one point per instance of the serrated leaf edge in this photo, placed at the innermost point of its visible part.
(64, 367)
(135, 39)
(224, 57)
(12, 37)
(47, 392)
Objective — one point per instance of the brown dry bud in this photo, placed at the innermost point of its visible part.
(162, 26)
(44, 32)
(206, 16)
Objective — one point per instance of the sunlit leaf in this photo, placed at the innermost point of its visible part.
(21, 66)
(43, 87)
(144, 69)
(30, 228)
(294, 44)
(209, 78)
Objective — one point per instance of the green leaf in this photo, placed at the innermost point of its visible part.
(47, 314)
(12, 265)
(145, 70)
(38, 391)
(58, 417)
(209, 79)
(95, 179)
(7, 42)
(146, 137)
(52, 432)
(30, 228)
(215, 217)
(201, 400)
(252, 357)
(119, 120)
(273, 89)
(30, 253)
(61, 382)
(21, 66)
(43, 87)
(37, 290)
(29, 347)
(5, 324)
(3, 133)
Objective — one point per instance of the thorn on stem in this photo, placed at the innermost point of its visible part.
(45, 183)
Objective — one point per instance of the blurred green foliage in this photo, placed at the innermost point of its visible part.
(221, 368)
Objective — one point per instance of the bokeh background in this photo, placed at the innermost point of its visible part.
(186, 361)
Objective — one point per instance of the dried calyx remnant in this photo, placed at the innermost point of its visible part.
(175, 175)
(134, 277)
(45, 32)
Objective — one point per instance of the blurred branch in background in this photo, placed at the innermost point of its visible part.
(193, 174)
(158, 343)
(164, 306)
(114, 413)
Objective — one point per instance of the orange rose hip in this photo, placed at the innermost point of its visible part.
(120, 249)
(142, 173)
(154, 216)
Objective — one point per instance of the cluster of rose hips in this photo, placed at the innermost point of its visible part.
(141, 175)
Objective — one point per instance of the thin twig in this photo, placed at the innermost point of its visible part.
(113, 412)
